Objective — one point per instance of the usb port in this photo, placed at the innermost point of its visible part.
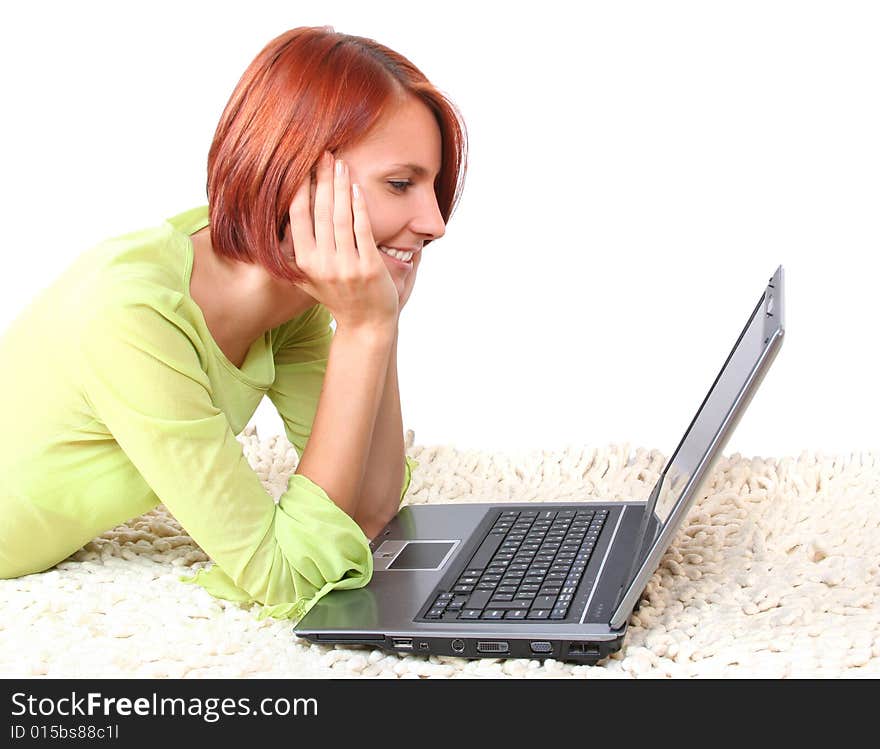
(402, 643)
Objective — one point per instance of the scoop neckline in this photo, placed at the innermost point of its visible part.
(263, 342)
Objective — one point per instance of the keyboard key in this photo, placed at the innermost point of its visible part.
(544, 602)
(515, 614)
(492, 614)
(487, 549)
(506, 605)
(470, 614)
(434, 613)
(479, 599)
(463, 588)
(538, 614)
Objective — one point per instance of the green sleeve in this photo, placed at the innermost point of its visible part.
(300, 366)
(142, 378)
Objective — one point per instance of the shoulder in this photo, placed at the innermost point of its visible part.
(313, 324)
(147, 265)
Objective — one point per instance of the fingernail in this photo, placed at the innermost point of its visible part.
(339, 168)
(356, 191)
(328, 158)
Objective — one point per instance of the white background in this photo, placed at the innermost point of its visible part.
(637, 172)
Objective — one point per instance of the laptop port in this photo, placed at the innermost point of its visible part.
(492, 647)
(541, 646)
(402, 643)
(458, 646)
(583, 648)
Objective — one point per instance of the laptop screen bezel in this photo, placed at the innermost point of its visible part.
(771, 305)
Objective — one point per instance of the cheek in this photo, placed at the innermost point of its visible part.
(384, 220)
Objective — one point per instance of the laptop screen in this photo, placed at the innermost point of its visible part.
(687, 471)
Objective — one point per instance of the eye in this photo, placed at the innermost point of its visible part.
(399, 185)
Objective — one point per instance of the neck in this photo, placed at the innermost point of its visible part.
(240, 301)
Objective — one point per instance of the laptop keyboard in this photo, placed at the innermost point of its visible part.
(528, 567)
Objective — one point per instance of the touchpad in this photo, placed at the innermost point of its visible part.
(422, 555)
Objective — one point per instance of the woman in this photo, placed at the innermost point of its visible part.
(334, 164)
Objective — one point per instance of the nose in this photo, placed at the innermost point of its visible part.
(428, 220)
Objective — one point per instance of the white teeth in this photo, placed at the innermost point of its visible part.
(397, 254)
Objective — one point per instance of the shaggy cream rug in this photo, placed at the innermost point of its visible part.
(774, 574)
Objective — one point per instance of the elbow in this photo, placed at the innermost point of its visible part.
(373, 525)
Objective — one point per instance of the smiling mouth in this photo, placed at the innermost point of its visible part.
(399, 255)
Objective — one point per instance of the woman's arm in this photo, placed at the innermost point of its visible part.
(144, 385)
(380, 490)
(335, 457)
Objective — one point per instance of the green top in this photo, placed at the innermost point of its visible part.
(117, 398)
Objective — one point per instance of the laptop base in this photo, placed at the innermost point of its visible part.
(576, 651)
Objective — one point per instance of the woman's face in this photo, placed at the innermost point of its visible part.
(396, 165)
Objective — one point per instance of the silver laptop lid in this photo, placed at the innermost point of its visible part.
(703, 442)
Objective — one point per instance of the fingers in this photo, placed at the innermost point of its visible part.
(363, 232)
(341, 226)
(342, 220)
(324, 235)
(301, 230)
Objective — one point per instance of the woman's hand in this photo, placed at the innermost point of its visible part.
(338, 256)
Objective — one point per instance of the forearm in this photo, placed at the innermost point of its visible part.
(336, 455)
(383, 478)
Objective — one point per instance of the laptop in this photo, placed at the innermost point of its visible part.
(541, 579)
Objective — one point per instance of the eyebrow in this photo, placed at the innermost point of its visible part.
(415, 168)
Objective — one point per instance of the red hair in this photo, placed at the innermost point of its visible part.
(310, 90)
